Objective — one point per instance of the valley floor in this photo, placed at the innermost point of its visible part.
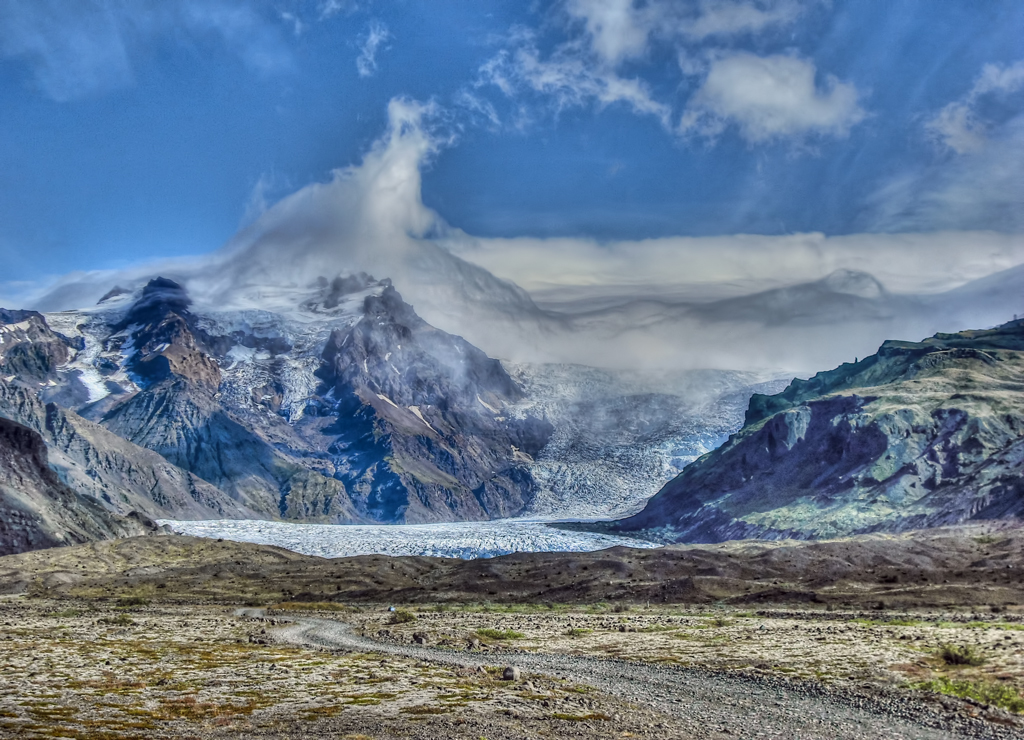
(916, 636)
(126, 669)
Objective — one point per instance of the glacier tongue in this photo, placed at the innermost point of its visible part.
(465, 540)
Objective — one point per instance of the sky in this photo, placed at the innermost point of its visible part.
(738, 144)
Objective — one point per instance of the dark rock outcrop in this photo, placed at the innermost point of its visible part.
(920, 434)
(422, 428)
(37, 510)
(178, 414)
(29, 349)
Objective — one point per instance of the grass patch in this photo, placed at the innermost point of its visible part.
(987, 692)
(493, 634)
(961, 655)
(401, 616)
(121, 620)
(66, 613)
(577, 632)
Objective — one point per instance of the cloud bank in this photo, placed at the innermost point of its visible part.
(793, 303)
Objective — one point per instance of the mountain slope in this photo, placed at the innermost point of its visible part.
(37, 510)
(36, 384)
(341, 405)
(919, 434)
(426, 437)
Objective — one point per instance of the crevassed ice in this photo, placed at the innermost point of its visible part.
(465, 540)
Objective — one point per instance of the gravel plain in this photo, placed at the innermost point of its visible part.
(708, 704)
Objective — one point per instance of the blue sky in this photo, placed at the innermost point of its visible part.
(138, 129)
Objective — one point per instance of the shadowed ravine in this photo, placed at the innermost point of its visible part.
(703, 703)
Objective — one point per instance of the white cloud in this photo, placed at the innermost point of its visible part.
(725, 18)
(980, 188)
(617, 30)
(997, 78)
(330, 8)
(770, 98)
(376, 35)
(569, 79)
(478, 107)
(268, 187)
(976, 182)
(958, 126)
(78, 48)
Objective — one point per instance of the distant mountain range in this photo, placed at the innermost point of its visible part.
(357, 411)
(341, 406)
(921, 434)
(335, 402)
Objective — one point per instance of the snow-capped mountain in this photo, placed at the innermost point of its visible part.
(344, 407)
(335, 402)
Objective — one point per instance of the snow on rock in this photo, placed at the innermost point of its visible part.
(465, 540)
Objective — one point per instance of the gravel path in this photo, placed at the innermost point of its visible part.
(712, 705)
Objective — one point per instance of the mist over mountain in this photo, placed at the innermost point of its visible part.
(782, 304)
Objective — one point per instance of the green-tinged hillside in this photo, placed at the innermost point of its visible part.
(920, 434)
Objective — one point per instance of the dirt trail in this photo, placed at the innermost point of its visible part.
(703, 703)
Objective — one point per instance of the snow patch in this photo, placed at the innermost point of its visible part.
(382, 397)
(486, 405)
(419, 415)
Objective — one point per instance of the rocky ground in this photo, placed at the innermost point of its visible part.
(911, 637)
(124, 669)
(76, 669)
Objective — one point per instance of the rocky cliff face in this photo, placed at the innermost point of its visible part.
(344, 406)
(918, 435)
(177, 412)
(123, 476)
(424, 431)
(37, 510)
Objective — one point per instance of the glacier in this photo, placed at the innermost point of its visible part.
(464, 540)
